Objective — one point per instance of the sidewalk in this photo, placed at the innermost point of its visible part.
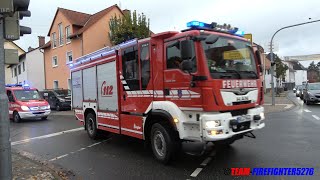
(282, 103)
(25, 168)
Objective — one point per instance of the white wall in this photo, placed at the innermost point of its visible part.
(20, 78)
(35, 69)
(300, 76)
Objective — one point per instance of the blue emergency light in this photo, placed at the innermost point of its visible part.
(214, 26)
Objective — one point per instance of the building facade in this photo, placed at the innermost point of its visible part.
(30, 69)
(8, 71)
(72, 35)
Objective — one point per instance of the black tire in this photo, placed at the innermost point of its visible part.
(58, 108)
(164, 142)
(16, 117)
(307, 102)
(44, 118)
(301, 97)
(91, 126)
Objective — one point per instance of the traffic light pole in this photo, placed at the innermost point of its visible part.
(5, 145)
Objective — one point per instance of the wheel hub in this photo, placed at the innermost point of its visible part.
(159, 143)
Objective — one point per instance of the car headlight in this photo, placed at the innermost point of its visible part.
(213, 124)
(25, 108)
(48, 107)
(62, 100)
(262, 115)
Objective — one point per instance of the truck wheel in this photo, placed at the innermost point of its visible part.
(16, 117)
(224, 143)
(58, 108)
(163, 142)
(91, 126)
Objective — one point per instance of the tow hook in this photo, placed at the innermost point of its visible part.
(250, 135)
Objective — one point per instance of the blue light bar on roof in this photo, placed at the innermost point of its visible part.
(239, 33)
(195, 24)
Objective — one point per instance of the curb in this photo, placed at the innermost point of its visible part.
(63, 173)
(289, 109)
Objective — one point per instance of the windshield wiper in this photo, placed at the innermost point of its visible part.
(251, 72)
(234, 71)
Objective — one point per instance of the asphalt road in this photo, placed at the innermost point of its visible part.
(290, 139)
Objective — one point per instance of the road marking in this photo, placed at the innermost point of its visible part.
(73, 152)
(316, 117)
(288, 106)
(46, 136)
(307, 110)
(196, 172)
(279, 104)
(59, 157)
(206, 161)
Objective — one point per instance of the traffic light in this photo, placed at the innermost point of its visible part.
(14, 11)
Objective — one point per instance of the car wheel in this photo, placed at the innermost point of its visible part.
(91, 126)
(16, 117)
(308, 102)
(58, 108)
(164, 143)
(44, 118)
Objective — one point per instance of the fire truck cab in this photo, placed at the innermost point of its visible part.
(202, 84)
(26, 103)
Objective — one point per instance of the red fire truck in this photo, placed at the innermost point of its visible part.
(201, 84)
(26, 103)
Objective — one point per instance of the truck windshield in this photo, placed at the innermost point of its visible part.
(22, 95)
(62, 93)
(229, 58)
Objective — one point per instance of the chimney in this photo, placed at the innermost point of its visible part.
(126, 12)
(41, 41)
(30, 48)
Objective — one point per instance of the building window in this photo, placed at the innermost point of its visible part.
(23, 67)
(54, 40)
(12, 72)
(60, 34)
(68, 33)
(55, 84)
(15, 72)
(54, 61)
(19, 69)
(69, 57)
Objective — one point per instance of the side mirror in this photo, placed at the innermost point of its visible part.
(186, 49)
(186, 65)
(259, 60)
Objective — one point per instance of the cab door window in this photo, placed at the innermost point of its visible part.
(173, 56)
(145, 65)
(10, 96)
(130, 68)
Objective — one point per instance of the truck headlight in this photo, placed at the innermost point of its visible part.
(213, 124)
(25, 108)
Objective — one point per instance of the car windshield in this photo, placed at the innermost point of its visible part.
(22, 95)
(229, 58)
(314, 86)
(62, 93)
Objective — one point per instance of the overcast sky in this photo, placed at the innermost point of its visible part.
(259, 17)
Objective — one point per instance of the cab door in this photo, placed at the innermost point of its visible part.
(11, 104)
(178, 85)
(137, 91)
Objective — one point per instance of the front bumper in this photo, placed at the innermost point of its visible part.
(34, 114)
(65, 105)
(313, 99)
(229, 126)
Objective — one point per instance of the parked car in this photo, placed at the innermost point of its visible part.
(301, 91)
(299, 88)
(295, 89)
(59, 99)
(311, 93)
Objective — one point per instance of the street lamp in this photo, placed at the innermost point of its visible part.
(271, 55)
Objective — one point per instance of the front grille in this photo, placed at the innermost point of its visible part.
(241, 126)
(241, 102)
(317, 96)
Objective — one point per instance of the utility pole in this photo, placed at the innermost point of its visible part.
(271, 55)
(5, 145)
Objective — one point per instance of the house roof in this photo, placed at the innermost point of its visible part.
(95, 18)
(76, 18)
